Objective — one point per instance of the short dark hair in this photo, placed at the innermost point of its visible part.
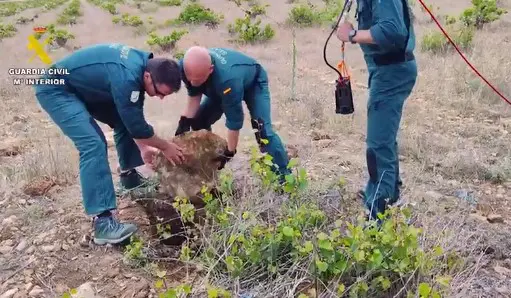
(165, 71)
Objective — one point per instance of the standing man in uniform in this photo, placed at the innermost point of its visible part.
(226, 78)
(107, 82)
(387, 39)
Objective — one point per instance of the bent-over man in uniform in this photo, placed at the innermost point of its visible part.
(108, 82)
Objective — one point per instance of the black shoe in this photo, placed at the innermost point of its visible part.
(131, 182)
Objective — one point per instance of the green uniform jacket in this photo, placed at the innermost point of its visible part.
(386, 21)
(110, 75)
(234, 73)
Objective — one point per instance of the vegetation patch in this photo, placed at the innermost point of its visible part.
(300, 247)
(169, 2)
(167, 42)
(7, 30)
(128, 20)
(248, 30)
(15, 7)
(70, 13)
(195, 13)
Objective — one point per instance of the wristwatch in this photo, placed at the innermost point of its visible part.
(351, 35)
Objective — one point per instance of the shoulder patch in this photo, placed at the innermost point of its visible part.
(134, 96)
(227, 90)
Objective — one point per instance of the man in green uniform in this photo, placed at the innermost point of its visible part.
(386, 37)
(227, 77)
(107, 82)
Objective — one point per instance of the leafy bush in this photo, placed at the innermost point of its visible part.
(303, 15)
(248, 31)
(70, 14)
(482, 12)
(301, 241)
(128, 20)
(196, 13)
(7, 31)
(253, 10)
(167, 42)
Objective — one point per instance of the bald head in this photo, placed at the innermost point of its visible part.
(197, 65)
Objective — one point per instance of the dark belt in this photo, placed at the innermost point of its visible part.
(392, 58)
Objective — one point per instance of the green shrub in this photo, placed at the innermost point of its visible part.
(167, 42)
(248, 31)
(128, 20)
(7, 31)
(303, 15)
(196, 13)
(482, 12)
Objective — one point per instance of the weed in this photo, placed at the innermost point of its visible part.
(250, 31)
(167, 42)
(253, 10)
(436, 42)
(7, 31)
(109, 5)
(134, 254)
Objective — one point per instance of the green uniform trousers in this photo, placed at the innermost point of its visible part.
(389, 87)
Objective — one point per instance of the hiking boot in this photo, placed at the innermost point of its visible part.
(132, 183)
(109, 230)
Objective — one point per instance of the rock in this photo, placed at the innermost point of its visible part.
(48, 248)
(86, 290)
(431, 194)
(30, 250)
(5, 249)
(479, 217)
(22, 245)
(36, 292)
(10, 147)
(9, 293)
(29, 286)
(502, 270)
(9, 221)
(495, 218)
(317, 135)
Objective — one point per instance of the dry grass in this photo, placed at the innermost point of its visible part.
(454, 137)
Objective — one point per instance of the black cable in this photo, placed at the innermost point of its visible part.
(329, 36)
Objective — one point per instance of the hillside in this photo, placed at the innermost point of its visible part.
(454, 153)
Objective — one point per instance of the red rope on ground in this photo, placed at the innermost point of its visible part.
(461, 54)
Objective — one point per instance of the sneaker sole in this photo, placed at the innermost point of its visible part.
(112, 241)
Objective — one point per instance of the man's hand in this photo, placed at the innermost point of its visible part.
(184, 125)
(148, 154)
(173, 153)
(225, 157)
(343, 31)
